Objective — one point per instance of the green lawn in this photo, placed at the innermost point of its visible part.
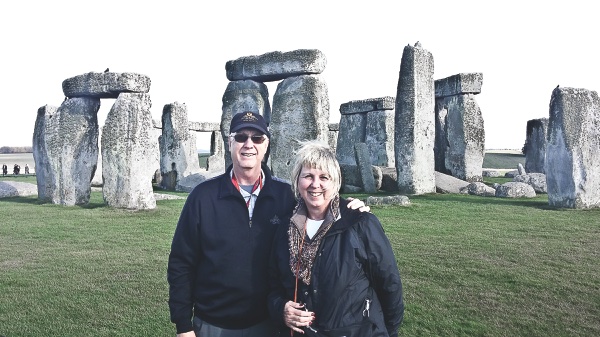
(471, 266)
(503, 160)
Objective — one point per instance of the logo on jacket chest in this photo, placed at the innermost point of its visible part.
(275, 220)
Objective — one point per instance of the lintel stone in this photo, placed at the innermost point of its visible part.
(105, 85)
(367, 105)
(463, 83)
(275, 66)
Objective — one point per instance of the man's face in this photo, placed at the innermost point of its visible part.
(247, 154)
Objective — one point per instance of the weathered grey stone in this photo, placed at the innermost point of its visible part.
(379, 137)
(448, 184)
(480, 189)
(334, 129)
(105, 85)
(572, 154)
(128, 153)
(396, 200)
(216, 161)
(535, 145)
(353, 129)
(463, 83)
(10, 189)
(275, 66)
(177, 146)
(521, 169)
(46, 181)
(369, 121)
(511, 174)
(513, 189)
(460, 137)
(536, 180)
(300, 112)
(72, 148)
(364, 167)
(242, 96)
(190, 182)
(204, 126)
(415, 127)
(491, 173)
(367, 105)
(351, 189)
(389, 182)
(352, 177)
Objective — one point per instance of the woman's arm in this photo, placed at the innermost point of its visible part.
(384, 273)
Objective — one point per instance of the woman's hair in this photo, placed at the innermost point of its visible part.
(315, 154)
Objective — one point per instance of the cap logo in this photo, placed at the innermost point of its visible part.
(249, 117)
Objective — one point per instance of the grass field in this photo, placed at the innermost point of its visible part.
(500, 160)
(471, 266)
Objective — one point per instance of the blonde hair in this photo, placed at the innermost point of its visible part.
(318, 155)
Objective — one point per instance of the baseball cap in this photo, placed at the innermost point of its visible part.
(249, 120)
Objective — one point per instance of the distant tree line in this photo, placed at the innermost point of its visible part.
(16, 149)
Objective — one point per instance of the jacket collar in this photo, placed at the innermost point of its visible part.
(227, 189)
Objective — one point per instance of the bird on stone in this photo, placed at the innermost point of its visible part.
(106, 70)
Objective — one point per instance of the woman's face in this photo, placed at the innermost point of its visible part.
(315, 188)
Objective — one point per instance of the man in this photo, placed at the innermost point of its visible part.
(217, 268)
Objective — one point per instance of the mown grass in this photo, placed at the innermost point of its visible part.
(503, 160)
(471, 266)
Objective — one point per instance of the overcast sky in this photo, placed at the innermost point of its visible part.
(523, 48)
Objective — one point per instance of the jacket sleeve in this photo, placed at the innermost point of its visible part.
(276, 299)
(181, 270)
(384, 273)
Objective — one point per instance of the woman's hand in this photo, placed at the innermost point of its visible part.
(295, 316)
(187, 334)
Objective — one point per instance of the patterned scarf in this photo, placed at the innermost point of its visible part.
(302, 254)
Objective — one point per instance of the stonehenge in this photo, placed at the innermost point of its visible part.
(429, 138)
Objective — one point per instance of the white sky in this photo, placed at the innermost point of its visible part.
(523, 48)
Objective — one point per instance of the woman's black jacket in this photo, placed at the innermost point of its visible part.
(343, 280)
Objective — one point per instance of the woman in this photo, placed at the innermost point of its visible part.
(332, 271)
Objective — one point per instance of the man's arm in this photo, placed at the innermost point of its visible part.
(357, 204)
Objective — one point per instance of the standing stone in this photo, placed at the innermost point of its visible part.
(72, 148)
(572, 155)
(215, 162)
(177, 146)
(460, 137)
(414, 122)
(128, 151)
(379, 137)
(300, 112)
(352, 130)
(535, 145)
(334, 129)
(364, 167)
(369, 121)
(242, 96)
(44, 174)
